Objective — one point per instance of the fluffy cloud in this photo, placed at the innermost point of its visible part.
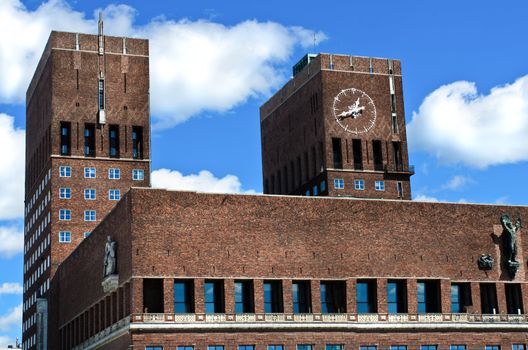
(11, 169)
(204, 181)
(458, 125)
(10, 288)
(425, 198)
(458, 182)
(11, 241)
(195, 65)
(11, 319)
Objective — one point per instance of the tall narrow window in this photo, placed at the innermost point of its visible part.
(377, 155)
(244, 297)
(301, 297)
(366, 299)
(113, 136)
(101, 94)
(333, 297)
(314, 162)
(514, 299)
(397, 156)
(358, 154)
(65, 132)
(488, 298)
(137, 142)
(428, 293)
(273, 302)
(183, 296)
(397, 296)
(89, 140)
(460, 297)
(299, 172)
(214, 296)
(306, 167)
(337, 154)
(153, 295)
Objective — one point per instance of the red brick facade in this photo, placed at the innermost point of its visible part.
(171, 236)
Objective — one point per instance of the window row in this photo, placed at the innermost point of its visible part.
(340, 347)
(393, 151)
(89, 193)
(333, 296)
(359, 184)
(66, 236)
(65, 215)
(113, 173)
(90, 144)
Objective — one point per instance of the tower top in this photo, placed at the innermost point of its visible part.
(100, 32)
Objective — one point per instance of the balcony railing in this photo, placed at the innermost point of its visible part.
(399, 168)
(327, 318)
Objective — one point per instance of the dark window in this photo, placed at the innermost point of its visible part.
(137, 142)
(304, 347)
(183, 296)
(266, 186)
(215, 347)
(333, 297)
(113, 137)
(306, 167)
(279, 182)
(514, 298)
(460, 297)
(396, 149)
(397, 296)
(492, 347)
(429, 347)
(185, 347)
(279, 347)
(457, 347)
(153, 295)
(154, 348)
(272, 184)
(65, 137)
(286, 179)
(214, 296)
(334, 347)
(358, 154)
(428, 296)
(301, 297)
(299, 171)
(398, 347)
(246, 347)
(89, 140)
(101, 94)
(273, 297)
(399, 188)
(377, 154)
(518, 347)
(244, 297)
(314, 162)
(292, 174)
(366, 298)
(488, 298)
(338, 156)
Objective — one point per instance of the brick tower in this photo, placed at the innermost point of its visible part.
(88, 134)
(337, 128)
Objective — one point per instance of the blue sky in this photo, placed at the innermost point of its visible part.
(465, 86)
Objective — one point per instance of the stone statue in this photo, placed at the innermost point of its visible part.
(110, 257)
(510, 242)
(485, 262)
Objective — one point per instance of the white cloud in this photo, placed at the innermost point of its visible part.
(12, 140)
(5, 341)
(12, 318)
(204, 181)
(458, 125)
(11, 288)
(195, 65)
(425, 198)
(11, 241)
(458, 182)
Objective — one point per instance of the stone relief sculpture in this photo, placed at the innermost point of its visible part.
(509, 236)
(110, 258)
(485, 262)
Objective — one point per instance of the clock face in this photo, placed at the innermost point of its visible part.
(354, 111)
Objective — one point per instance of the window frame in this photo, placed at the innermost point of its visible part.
(64, 215)
(90, 194)
(64, 236)
(339, 184)
(359, 184)
(112, 194)
(64, 171)
(135, 174)
(114, 173)
(379, 185)
(65, 193)
(88, 216)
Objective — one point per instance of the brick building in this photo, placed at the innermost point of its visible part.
(337, 128)
(87, 143)
(190, 271)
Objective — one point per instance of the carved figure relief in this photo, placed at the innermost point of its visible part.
(485, 262)
(110, 258)
(509, 236)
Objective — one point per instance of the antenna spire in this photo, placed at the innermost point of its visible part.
(101, 34)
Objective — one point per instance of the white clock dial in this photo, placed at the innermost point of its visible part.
(354, 111)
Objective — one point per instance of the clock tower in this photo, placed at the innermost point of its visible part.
(337, 128)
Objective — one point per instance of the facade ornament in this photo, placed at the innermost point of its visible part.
(110, 278)
(485, 262)
(509, 236)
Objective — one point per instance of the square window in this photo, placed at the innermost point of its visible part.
(64, 214)
(138, 174)
(65, 193)
(457, 347)
(89, 215)
(334, 347)
(64, 237)
(368, 347)
(275, 347)
(429, 347)
(86, 234)
(304, 346)
(89, 173)
(154, 348)
(215, 347)
(114, 195)
(359, 185)
(114, 173)
(185, 347)
(379, 185)
(65, 171)
(246, 347)
(339, 184)
(518, 347)
(89, 194)
(398, 347)
(492, 347)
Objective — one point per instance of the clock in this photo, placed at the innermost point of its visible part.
(354, 111)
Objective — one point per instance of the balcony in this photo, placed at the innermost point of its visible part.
(399, 168)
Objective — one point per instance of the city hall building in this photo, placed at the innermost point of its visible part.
(333, 256)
